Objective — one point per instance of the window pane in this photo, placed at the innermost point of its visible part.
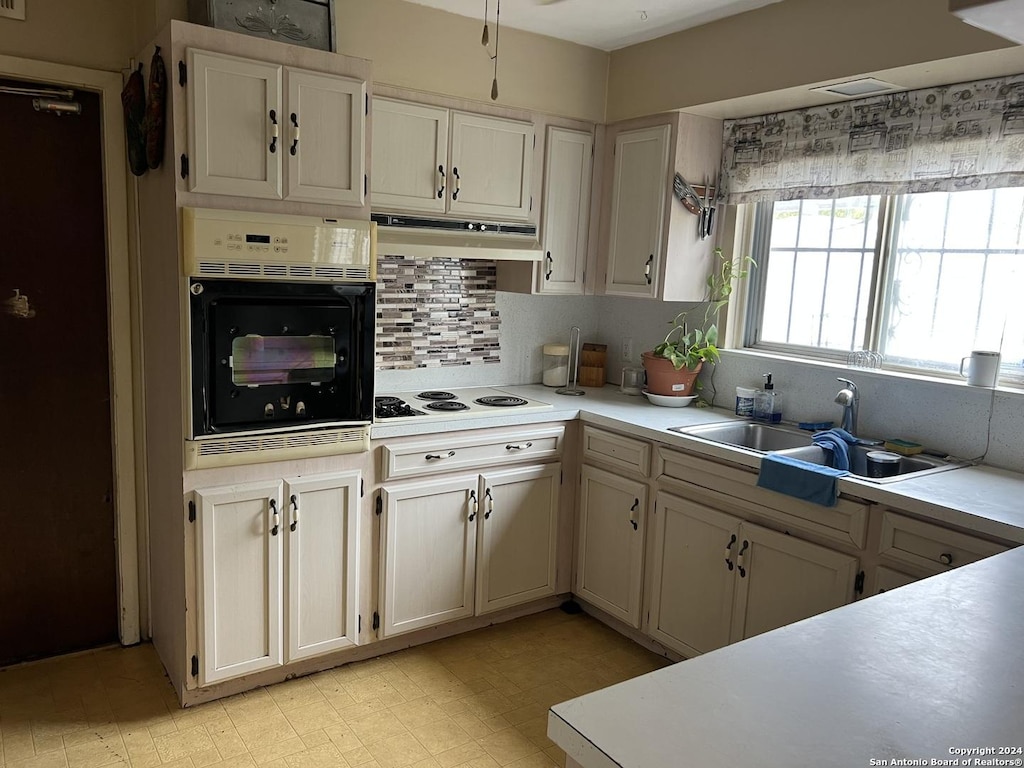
(954, 277)
(261, 360)
(816, 294)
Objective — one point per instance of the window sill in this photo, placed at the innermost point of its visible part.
(881, 373)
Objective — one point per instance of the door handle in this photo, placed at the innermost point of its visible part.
(490, 503)
(274, 130)
(295, 134)
(440, 171)
(551, 266)
(728, 551)
(647, 268)
(295, 513)
(632, 513)
(275, 518)
(474, 507)
(455, 192)
(739, 559)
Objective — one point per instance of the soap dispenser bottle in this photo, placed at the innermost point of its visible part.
(766, 404)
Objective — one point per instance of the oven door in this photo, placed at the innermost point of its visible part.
(274, 355)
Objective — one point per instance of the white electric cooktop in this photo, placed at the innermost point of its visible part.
(446, 404)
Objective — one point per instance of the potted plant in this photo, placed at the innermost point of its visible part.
(672, 367)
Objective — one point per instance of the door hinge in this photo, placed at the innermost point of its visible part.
(182, 73)
(380, 505)
(858, 584)
(376, 621)
(195, 666)
(362, 487)
(191, 511)
(184, 166)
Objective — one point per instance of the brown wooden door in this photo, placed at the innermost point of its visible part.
(58, 589)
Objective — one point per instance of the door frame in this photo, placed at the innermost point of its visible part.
(120, 319)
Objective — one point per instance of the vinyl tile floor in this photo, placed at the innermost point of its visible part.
(479, 699)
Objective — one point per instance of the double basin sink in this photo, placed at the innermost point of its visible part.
(798, 444)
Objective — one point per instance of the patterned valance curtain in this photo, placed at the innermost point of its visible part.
(955, 137)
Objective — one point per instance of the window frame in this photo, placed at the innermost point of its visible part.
(883, 267)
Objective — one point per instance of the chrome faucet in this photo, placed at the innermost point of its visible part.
(849, 398)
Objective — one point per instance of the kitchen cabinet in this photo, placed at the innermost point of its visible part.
(434, 160)
(717, 578)
(258, 129)
(612, 526)
(258, 606)
(468, 545)
(650, 244)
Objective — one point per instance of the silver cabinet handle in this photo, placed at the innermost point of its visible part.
(295, 513)
(275, 518)
(518, 446)
(438, 457)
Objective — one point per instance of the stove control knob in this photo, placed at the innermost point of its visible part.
(300, 408)
(268, 411)
(471, 226)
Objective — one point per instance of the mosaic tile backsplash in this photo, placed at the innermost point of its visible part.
(433, 313)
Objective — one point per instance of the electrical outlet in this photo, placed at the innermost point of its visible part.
(627, 349)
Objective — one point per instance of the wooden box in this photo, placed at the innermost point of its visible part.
(298, 22)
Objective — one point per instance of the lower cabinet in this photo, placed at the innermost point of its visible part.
(609, 560)
(467, 545)
(717, 579)
(276, 572)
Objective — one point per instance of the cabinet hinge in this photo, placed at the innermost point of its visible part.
(184, 166)
(535, 141)
(376, 621)
(191, 511)
(359, 623)
(366, 184)
(367, 104)
(195, 666)
(182, 73)
(380, 505)
(531, 202)
(561, 477)
(858, 584)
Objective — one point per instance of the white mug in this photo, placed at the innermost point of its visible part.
(984, 369)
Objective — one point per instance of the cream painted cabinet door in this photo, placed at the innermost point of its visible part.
(692, 575)
(639, 197)
(780, 580)
(518, 536)
(323, 136)
(237, 131)
(429, 539)
(410, 157)
(321, 525)
(238, 570)
(492, 167)
(566, 211)
(609, 561)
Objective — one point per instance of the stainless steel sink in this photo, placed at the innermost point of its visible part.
(743, 434)
(910, 466)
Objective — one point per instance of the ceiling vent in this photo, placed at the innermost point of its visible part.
(1000, 17)
(865, 86)
(12, 9)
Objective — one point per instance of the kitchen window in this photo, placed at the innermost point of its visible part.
(922, 279)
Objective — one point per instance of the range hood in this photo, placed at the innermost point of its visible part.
(421, 237)
(1000, 17)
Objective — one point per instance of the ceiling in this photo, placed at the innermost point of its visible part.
(604, 24)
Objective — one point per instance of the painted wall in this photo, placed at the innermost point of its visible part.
(424, 49)
(784, 45)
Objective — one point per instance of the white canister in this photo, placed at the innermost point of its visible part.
(983, 370)
(556, 365)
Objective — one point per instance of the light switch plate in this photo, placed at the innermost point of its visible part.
(12, 9)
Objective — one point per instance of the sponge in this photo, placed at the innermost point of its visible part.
(905, 447)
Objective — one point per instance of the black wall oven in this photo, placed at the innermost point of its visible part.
(275, 355)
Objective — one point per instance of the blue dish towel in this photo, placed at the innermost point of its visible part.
(838, 442)
(802, 479)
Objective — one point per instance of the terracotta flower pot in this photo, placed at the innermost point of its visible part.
(664, 379)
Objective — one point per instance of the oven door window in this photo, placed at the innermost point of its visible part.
(261, 360)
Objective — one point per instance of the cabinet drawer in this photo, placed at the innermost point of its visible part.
(441, 454)
(930, 546)
(845, 523)
(625, 453)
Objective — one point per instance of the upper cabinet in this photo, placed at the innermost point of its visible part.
(568, 165)
(264, 130)
(434, 160)
(650, 242)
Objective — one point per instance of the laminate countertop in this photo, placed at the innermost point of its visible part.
(981, 499)
(928, 674)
